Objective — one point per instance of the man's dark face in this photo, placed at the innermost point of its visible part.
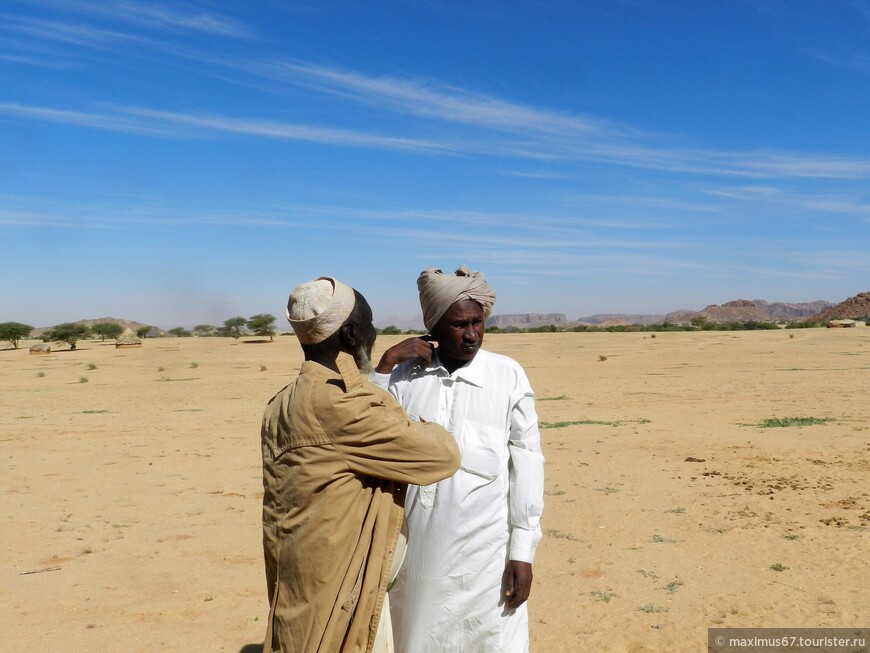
(459, 333)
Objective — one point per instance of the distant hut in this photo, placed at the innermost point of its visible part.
(153, 332)
(40, 349)
(842, 324)
(127, 340)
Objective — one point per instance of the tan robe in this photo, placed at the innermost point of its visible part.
(337, 454)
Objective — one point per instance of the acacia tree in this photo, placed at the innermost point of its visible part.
(142, 331)
(107, 330)
(14, 332)
(68, 332)
(262, 324)
(233, 327)
(203, 330)
(179, 332)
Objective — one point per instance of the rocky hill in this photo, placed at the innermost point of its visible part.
(852, 308)
(744, 310)
(784, 311)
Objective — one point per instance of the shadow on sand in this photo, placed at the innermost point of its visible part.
(251, 648)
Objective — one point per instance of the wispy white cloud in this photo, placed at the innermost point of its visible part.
(806, 202)
(155, 15)
(547, 134)
(408, 114)
(105, 121)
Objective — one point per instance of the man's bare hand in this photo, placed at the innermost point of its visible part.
(516, 583)
(406, 350)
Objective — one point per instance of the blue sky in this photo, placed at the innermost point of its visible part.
(178, 163)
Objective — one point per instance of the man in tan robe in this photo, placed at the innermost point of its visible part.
(338, 453)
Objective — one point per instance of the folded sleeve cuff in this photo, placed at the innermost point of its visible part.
(523, 545)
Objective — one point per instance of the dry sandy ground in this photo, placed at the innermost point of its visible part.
(135, 496)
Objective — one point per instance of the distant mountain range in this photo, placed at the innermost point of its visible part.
(739, 310)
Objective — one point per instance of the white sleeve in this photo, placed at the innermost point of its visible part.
(526, 498)
(380, 380)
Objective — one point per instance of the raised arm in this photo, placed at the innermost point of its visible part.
(406, 350)
(376, 438)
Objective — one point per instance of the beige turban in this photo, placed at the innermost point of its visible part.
(318, 308)
(438, 291)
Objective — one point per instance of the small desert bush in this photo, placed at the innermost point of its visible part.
(92, 366)
(778, 566)
(649, 607)
(561, 425)
(776, 422)
(83, 379)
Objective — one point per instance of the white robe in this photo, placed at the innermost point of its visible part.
(462, 530)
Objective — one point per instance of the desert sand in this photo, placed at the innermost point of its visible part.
(132, 500)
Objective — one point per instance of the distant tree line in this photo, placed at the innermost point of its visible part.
(263, 324)
(696, 325)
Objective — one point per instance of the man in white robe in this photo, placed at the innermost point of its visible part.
(471, 537)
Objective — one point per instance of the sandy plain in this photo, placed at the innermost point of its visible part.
(131, 509)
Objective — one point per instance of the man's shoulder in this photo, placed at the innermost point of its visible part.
(279, 396)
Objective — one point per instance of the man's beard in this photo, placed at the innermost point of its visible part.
(363, 360)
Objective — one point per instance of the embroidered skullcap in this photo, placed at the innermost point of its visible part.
(318, 308)
(438, 291)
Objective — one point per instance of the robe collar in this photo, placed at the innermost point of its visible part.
(472, 372)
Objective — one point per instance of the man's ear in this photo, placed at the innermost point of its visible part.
(347, 335)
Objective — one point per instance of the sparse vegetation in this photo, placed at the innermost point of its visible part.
(602, 358)
(107, 330)
(676, 511)
(234, 327)
(180, 332)
(662, 539)
(14, 332)
(194, 365)
(776, 422)
(262, 324)
(83, 379)
(604, 597)
(40, 375)
(263, 368)
(559, 398)
(92, 366)
(778, 566)
(68, 332)
(650, 607)
(561, 425)
(673, 586)
(559, 535)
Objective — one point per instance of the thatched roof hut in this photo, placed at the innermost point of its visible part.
(127, 340)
